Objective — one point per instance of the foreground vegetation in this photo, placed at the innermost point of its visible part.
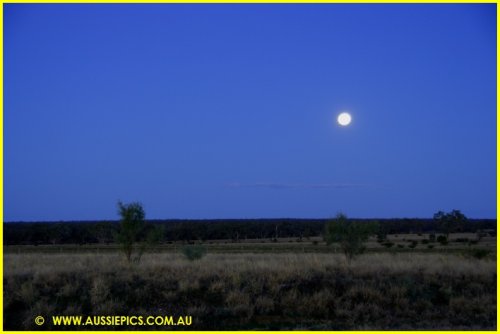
(257, 291)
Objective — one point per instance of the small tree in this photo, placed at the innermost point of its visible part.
(458, 220)
(450, 222)
(350, 234)
(134, 234)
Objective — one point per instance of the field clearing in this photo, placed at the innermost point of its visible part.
(257, 291)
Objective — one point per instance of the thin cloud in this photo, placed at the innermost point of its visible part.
(299, 185)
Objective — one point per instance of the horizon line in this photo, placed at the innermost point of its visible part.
(206, 219)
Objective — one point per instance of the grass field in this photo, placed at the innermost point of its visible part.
(249, 286)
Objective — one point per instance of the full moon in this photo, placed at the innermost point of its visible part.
(344, 119)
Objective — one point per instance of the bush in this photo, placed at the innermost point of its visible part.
(425, 241)
(388, 244)
(194, 252)
(413, 244)
(430, 246)
(401, 246)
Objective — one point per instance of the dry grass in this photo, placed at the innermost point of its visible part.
(34, 264)
(258, 291)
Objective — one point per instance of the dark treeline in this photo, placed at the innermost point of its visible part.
(236, 230)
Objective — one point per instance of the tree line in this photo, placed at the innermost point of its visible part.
(233, 230)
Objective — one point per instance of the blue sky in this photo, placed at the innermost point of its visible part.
(228, 111)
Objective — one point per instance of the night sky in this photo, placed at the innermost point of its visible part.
(229, 111)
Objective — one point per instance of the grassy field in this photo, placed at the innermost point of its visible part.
(253, 288)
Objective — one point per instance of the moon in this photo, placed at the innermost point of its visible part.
(344, 119)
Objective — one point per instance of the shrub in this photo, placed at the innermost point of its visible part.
(425, 241)
(430, 246)
(401, 246)
(194, 252)
(388, 244)
(413, 244)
